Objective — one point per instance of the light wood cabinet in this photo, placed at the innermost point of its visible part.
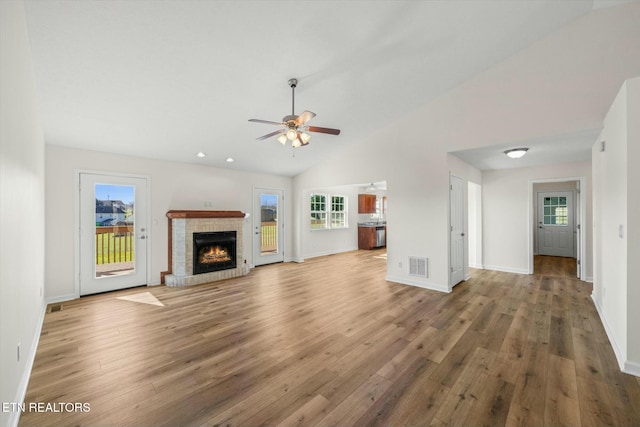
(366, 203)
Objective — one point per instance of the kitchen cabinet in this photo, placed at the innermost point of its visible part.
(366, 203)
(370, 237)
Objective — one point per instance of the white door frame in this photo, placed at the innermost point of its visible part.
(257, 220)
(580, 217)
(76, 228)
(463, 231)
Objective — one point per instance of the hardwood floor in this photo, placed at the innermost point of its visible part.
(555, 266)
(330, 342)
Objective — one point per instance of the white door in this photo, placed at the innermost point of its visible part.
(556, 223)
(457, 230)
(113, 232)
(268, 226)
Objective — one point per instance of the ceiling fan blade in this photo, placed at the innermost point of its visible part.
(269, 135)
(324, 130)
(266, 122)
(304, 117)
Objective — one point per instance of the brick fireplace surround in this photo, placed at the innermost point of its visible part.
(182, 225)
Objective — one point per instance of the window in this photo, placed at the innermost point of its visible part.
(555, 211)
(328, 212)
(338, 212)
(318, 211)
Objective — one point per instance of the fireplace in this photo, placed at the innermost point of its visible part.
(214, 251)
(221, 231)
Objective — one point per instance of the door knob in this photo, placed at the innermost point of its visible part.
(462, 234)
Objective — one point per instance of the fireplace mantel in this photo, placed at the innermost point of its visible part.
(205, 214)
(182, 225)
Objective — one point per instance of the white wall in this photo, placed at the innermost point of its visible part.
(475, 225)
(21, 209)
(507, 209)
(173, 186)
(616, 216)
(633, 222)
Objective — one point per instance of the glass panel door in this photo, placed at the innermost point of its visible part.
(113, 232)
(115, 225)
(267, 226)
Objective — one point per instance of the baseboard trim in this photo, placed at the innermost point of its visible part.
(478, 266)
(60, 298)
(331, 252)
(14, 418)
(419, 284)
(506, 269)
(626, 366)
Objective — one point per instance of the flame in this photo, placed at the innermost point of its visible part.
(214, 254)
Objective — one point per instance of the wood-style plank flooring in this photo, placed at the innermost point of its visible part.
(330, 342)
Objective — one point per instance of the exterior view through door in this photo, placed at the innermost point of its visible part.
(268, 226)
(555, 224)
(113, 248)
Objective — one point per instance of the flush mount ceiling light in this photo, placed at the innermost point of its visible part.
(230, 160)
(516, 153)
(200, 154)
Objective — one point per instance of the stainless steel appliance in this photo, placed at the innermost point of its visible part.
(381, 238)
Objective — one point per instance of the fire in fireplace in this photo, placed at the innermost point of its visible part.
(214, 251)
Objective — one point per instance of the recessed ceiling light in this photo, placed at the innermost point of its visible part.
(516, 153)
(201, 154)
(230, 160)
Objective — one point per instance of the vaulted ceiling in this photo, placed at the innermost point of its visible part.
(169, 79)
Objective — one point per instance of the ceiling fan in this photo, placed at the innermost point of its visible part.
(295, 128)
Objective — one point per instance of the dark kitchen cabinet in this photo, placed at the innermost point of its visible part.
(366, 203)
(366, 237)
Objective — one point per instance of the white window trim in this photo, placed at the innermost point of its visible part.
(329, 211)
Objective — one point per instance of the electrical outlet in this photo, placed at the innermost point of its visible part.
(208, 204)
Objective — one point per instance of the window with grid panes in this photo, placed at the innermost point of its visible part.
(555, 211)
(338, 212)
(319, 211)
(328, 211)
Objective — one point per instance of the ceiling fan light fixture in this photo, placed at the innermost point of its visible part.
(305, 137)
(516, 153)
(282, 139)
(296, 143)
(292, 135)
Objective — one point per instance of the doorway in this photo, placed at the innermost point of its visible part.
(112, 232)
(457, 233)
(557, 212)
(268, 226)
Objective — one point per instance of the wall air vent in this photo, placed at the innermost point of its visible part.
(418, 267)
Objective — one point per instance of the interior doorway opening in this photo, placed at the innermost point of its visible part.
(556, 233)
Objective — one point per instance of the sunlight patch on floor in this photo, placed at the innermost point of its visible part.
(382, 256)
(144, 298)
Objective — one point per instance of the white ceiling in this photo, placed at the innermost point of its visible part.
(575, 147)
(167, 79)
